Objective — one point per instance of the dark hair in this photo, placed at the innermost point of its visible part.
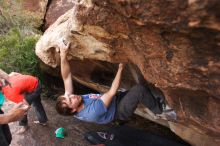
(62, 107)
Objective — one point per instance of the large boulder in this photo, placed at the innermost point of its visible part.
(55, 9)
(174, 45)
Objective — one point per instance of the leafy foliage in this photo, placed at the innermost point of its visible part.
(17, 52)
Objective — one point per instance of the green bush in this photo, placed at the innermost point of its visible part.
(17, 53)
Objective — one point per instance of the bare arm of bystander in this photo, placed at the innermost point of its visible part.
(15, 114)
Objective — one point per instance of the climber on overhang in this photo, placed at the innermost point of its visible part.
(101, 108)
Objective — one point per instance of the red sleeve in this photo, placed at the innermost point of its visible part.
(19, 98)
(14, 95)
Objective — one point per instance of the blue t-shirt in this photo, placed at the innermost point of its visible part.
(95, 110)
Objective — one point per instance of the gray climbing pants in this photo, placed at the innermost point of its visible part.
(128, 101)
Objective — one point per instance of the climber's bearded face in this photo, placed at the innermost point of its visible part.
(73, 101)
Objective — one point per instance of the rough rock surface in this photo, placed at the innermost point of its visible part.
(174, 45)
(55, 9)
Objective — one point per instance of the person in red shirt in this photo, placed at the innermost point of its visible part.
(26, 89)
(11, 116)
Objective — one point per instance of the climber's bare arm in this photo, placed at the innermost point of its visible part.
(65, 68)
(108, 96)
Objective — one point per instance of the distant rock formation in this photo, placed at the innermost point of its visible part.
(174, 45)
(22, 13)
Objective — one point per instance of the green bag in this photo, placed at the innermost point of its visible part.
(2, 99)
(60, 132)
